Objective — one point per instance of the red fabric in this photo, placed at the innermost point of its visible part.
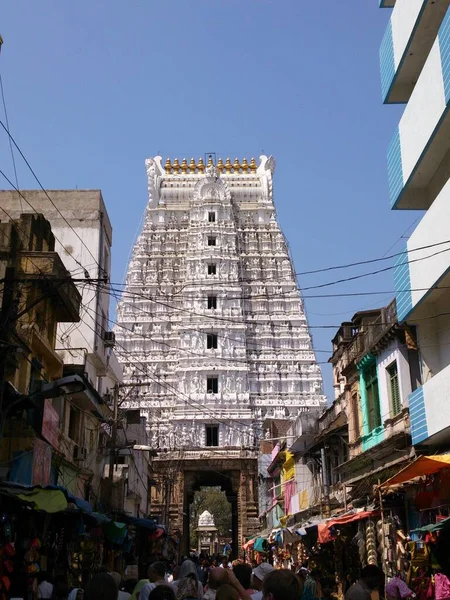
(323, 529)
(288, 493)
(324, 534)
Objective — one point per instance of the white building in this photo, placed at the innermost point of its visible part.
(211, 323)
(415, 69)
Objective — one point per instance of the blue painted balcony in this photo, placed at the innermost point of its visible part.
(418, 159)
(429, 409)
(409, 37)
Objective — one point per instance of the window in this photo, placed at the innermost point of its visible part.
(373, 397)
(212, 217)
(212, 385)
(212, 435)
(212, 302)
(212, 240)
(212, 269)
(211, 341)
(394, 389)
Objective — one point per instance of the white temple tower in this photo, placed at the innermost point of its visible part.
(211, 323)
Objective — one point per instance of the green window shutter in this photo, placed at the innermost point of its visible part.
(394, 388)
(373, 397)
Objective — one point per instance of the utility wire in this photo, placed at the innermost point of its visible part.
(11, 138)
(86, 272)
(7, 130)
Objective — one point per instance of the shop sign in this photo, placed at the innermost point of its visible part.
(50, 424)
(42, 463)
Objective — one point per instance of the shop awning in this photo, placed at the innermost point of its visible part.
(433, 527)
(50, 501)
(423, 465)
(324, 533)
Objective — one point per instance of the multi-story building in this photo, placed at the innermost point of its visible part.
(364, 435)
(83, 238)
(415, 70)
(36, 296)
(212, 327)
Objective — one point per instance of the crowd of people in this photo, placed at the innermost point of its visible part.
(192, 580)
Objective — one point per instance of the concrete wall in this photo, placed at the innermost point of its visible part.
(83, 235)
(432, 229)
(423, 112)
(403, 19)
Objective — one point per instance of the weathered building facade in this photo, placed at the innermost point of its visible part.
(212, 331)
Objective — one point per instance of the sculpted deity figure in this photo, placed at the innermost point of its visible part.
(195, 384)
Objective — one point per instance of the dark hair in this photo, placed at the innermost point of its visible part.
(159, 568)
(282, 584)
(162, 592)
(243, 574)
(101, 587)
(372, 576)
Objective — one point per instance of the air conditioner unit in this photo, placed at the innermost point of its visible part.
(79, 453)
(109, 339)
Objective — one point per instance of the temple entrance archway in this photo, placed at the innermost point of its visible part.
(179, 475)
(222, 504)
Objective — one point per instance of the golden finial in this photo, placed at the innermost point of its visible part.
(253, 165)
(184, 166)
(220, 165)
(210, 161)
(200, 165)
(176, 166)
(245, 166)
(192, 166)
(168, 166)
(228, 166)
(236, 166)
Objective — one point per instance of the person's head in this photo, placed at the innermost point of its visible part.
(243, 574)
(101, 587)
(156, 571)
(260, 573)
(162, 592)
(372, 576)
(117, 578)
(216, 578)
(281, 584)
(227, 592)
(301, 574)
(188, 569)
(225, 562)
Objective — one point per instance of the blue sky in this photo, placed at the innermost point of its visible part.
(93, 88)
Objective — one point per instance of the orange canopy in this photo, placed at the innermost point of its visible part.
(423, 465)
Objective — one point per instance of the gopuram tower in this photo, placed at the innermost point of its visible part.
(212, 330)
